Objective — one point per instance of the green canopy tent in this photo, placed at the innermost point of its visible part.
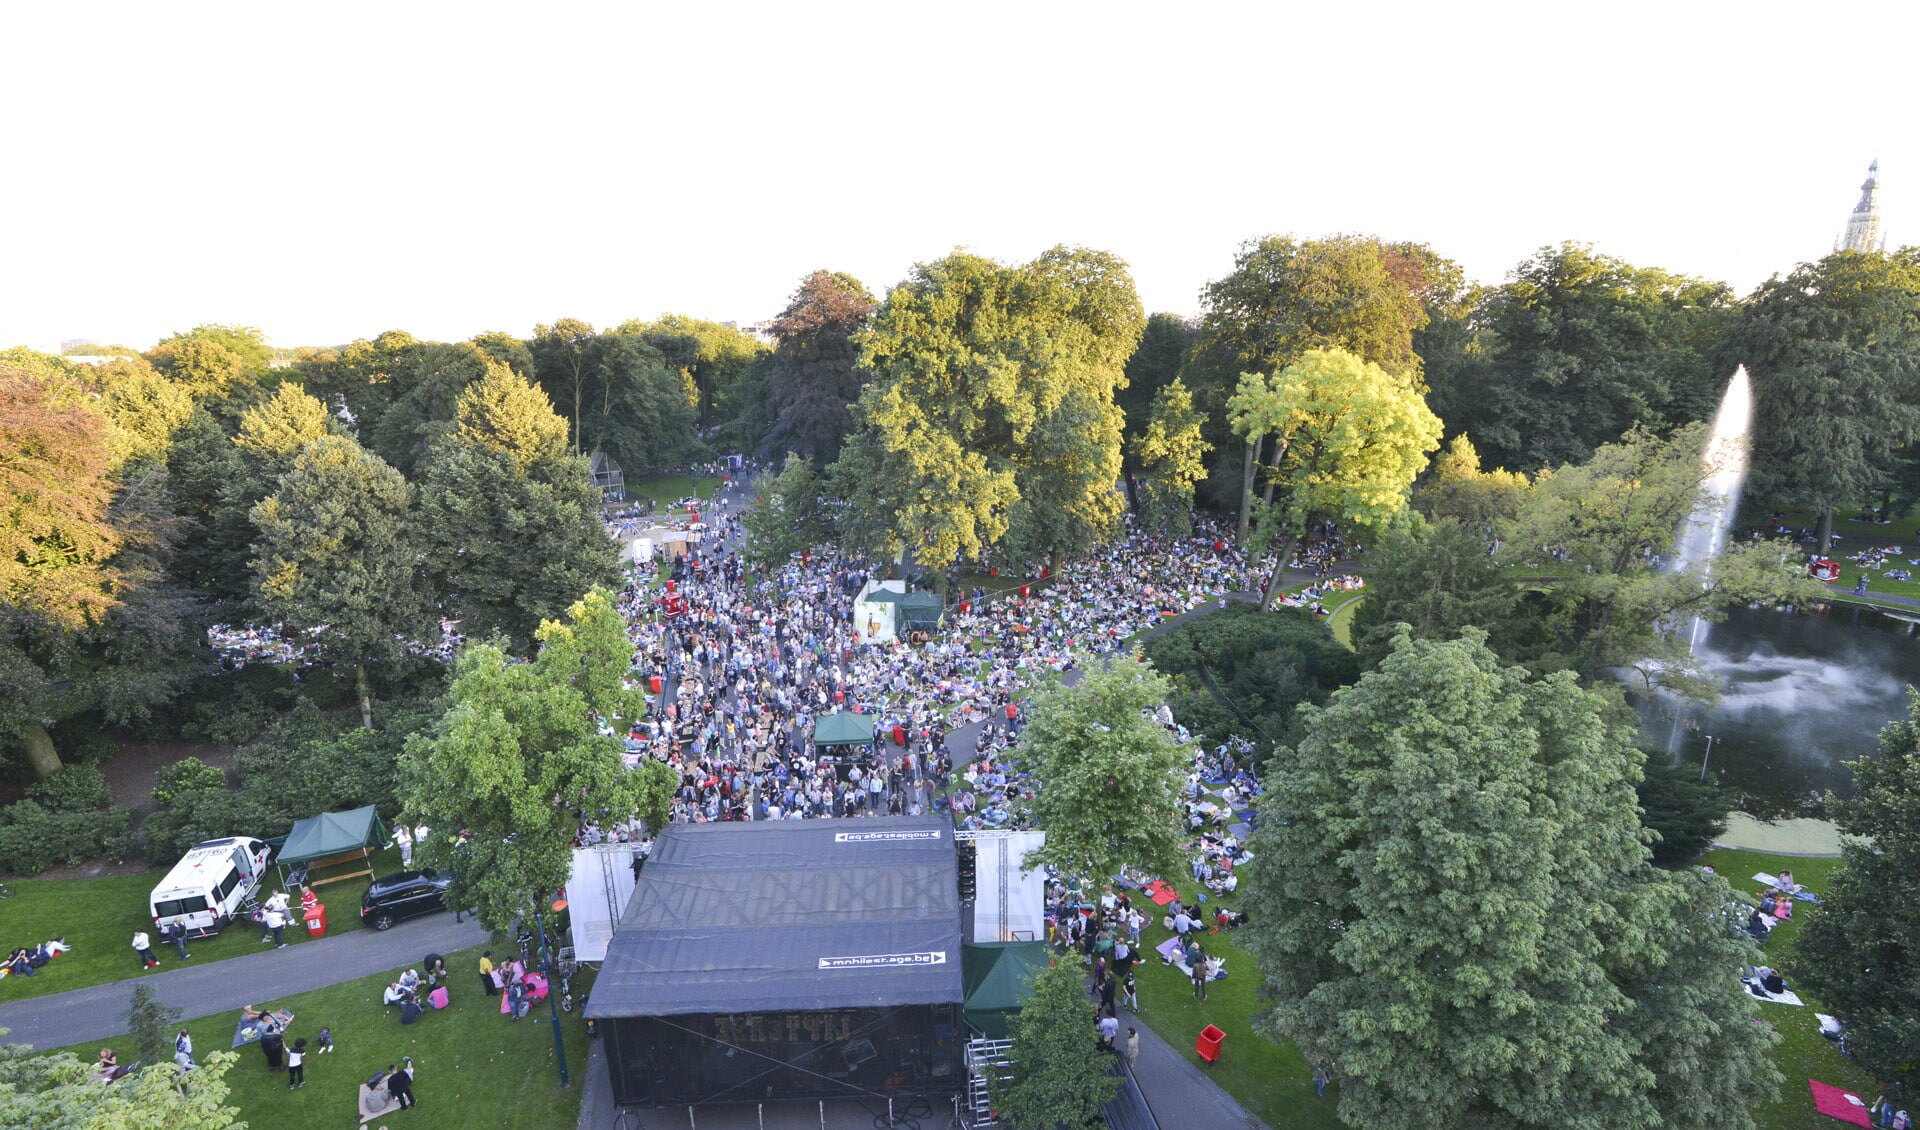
(921, 611)
(329, 838)
(842, 729)
(996, 978)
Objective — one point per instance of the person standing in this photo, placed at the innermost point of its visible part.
(486, 974)
(1133, 1044)
(1133, 1000)
(183, 1051)
(175, 932)
(404, 839)
(275, 920)
(296, 1058)
(400, 1084)
(1199, 968)
(143, 946)
(272, 1044)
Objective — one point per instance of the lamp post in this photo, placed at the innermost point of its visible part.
(546, 957)
(1703, 760)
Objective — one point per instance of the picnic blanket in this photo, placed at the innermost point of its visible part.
(248, 1031)
(1836, 1103)
(1798, 891)
(374, 1103)
(1173, 955)
(1160, 893)
(1753, 988)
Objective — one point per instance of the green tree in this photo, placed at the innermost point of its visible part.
(1172, 457)
(336, 565)
(58, 1092)
(1285, 297)
(425, 383)
(991, 413)
(1456, 488)
(786, 517)
(1109, 774)
(1688, 814)
(510, 521)
(815, 376)
(715, 362)
(562, 355)
(1437, 579)
(1858, 952)
(644, 419)
(151, 1026)
(1594, 539)
(1058, 1073)
(214, 361)
(1347, 440)
(1241, 672)
(519, 751)
(1450, 899)
(1834, 353)
(1581, 347)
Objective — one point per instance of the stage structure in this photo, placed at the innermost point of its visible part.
(783, 960)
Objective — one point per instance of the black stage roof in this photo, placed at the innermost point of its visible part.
(788, 915)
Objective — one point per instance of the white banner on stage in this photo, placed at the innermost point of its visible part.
(1008, 905)
(597, 895)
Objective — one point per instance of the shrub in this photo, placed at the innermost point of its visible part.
(34, 838)
(73, 788)
(187, 775)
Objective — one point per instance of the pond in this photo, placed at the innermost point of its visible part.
(1803, 692)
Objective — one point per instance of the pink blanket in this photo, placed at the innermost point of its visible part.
(1836, 1103)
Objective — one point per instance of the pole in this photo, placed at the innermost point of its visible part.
(1703, 760)
(559, 1046)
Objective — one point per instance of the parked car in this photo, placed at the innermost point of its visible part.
(402, 895)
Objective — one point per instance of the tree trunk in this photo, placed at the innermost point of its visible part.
(366, 696)
(1246, 487)
(1826, 530)
(41, 754)
(1133, 492)
(1274, 579)
(1279, 452)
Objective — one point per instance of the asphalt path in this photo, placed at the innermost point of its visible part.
(258, 979)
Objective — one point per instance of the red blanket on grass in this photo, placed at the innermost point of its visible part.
(1836, 1103)
(1160, 893)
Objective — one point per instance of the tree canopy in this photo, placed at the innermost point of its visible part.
(519, 750)
(1450, 900)
(1858, 952)
(815, 376)
(1058, 1074)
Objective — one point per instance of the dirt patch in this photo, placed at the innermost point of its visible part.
(97, 869)
(132, 773)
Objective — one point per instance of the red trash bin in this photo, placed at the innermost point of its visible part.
(654, 682)
(899, 735)
(1209, 1043)
(1024, 592)
(317, 920)
(966, 606)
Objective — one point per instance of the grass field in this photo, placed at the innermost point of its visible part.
(98, 918)
(472, 1066)
(1275, 1082)
(666, 490)
(1803, 1053)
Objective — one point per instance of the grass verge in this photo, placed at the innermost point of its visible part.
(98, 918)
(472, 1066)
(1802, 1053)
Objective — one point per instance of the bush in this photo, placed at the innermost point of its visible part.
(187, 775)
(1688, 813)
(73, 788)
(34, 838)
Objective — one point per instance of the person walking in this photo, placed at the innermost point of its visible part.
(143, 946)
(183, 1051)
(296, 1072)
(400, 1084)
(1199, 968)
(1133, 1000)
(1133, 1044)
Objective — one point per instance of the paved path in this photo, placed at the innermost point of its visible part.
(84, 1015)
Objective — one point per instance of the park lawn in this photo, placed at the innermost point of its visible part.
(1274, 1081)
(665, 490)
(1802, 1053)
(1341, 622)
(472, 1066)
(98, 918)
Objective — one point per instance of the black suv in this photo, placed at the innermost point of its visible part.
(404, 894)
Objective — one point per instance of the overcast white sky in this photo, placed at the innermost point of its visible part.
(328, 172)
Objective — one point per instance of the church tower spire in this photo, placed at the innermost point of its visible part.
(1863, 227)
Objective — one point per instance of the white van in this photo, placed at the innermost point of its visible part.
(207, 888)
